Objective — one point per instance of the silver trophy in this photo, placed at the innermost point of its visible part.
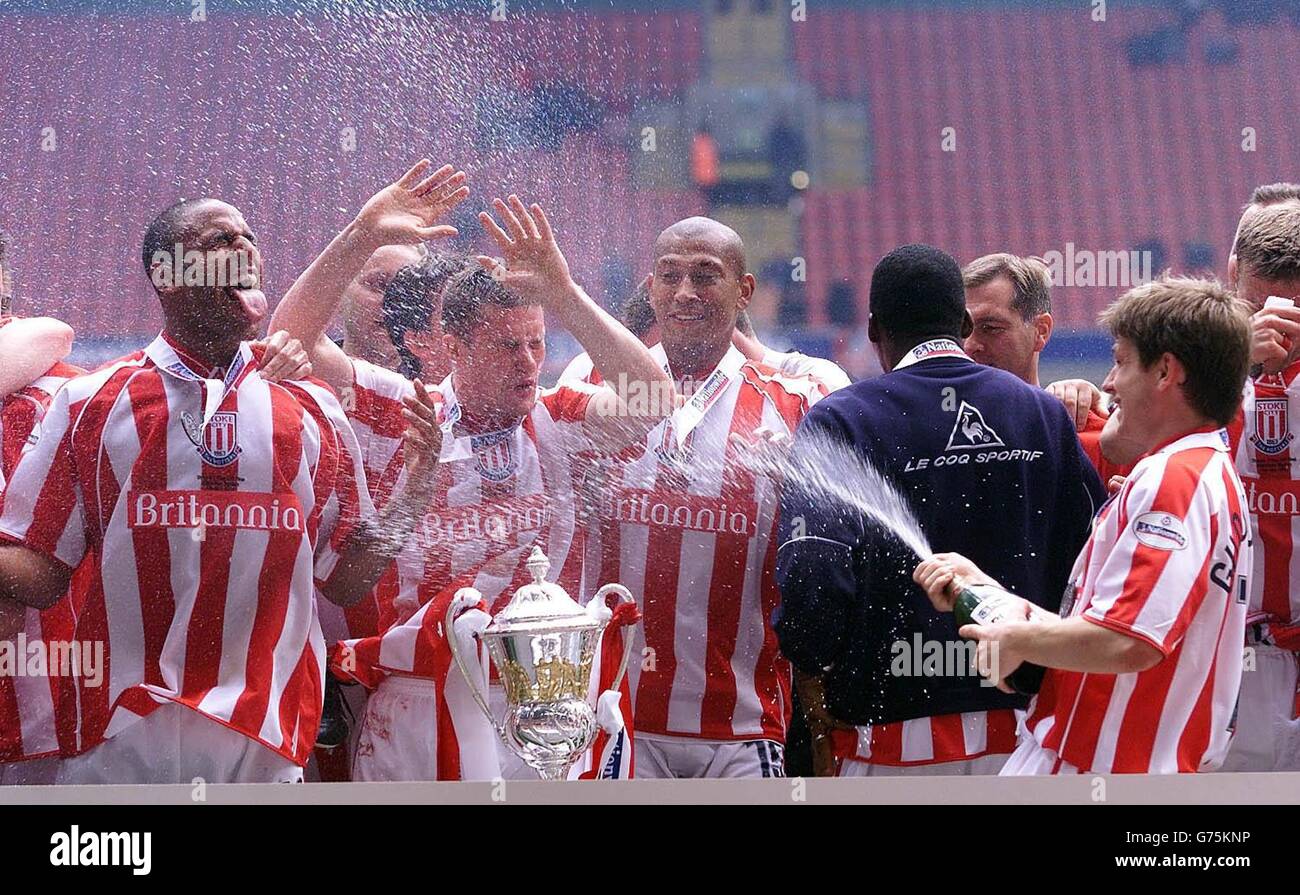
(543, 645)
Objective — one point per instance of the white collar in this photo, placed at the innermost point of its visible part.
(169, 361)
(929, 351)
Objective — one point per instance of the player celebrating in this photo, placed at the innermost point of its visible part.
(506, 475)
(689, 527)
(207, 502)
(848, 603)
(1265, 270)
(1144, 662)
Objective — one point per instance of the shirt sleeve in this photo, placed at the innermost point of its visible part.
(578, 370)
(374, 399)
(341, 488)
(42, 507)
(567, 405)
(825, 372)
(1153, 580)
(815, 560)
(19, 421)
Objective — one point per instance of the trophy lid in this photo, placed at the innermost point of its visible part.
(540, 605)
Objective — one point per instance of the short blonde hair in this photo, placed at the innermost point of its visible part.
(1197, 321)
(1030, 277)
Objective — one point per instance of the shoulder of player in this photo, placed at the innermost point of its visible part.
(380, 380)
(566, 401)
(313, 394)
(1170, 480)
(779, 385)
(103, 382)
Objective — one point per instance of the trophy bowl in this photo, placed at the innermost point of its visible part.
(543, 645)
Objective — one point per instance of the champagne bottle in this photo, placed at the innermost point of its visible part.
(984, 604)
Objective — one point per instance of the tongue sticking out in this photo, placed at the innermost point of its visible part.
(253, 301)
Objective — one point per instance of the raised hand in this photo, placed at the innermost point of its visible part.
(407, 211)
(1275, 331)
(422, 441)
(532, 263)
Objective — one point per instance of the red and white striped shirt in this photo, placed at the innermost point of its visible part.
(498, 495)
(35, 719)
(691, 532)
(1168, 562)
(206, 509)
(1267, 455)
(936, 739)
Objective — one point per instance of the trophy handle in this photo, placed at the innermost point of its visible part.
(625, 596)
(467, 598)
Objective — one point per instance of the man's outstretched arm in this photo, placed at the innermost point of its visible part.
(402, 213)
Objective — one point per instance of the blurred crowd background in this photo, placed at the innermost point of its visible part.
(825, 132)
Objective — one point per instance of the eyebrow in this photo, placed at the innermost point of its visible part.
(699, 262)
(217, 229)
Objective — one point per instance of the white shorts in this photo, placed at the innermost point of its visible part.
(1030, 759)
(1267, 737)
(175, 744)
(33, 772)
(399, 736)
(685, 758)
(985, 764)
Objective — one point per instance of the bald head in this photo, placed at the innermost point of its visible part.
(706, 235)
(698, 289)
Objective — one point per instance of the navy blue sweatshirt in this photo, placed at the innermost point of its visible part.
(993, 469)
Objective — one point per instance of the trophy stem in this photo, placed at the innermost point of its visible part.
(552, 771)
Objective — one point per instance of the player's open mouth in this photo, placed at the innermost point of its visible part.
(687, 316)
(251, 301)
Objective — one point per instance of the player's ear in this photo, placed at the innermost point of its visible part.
(967, 325)
(1043, 325)
(1172, 373)
(873, 331)
(164, 274)
(1232, 271)
(747, 286)
(452, 346)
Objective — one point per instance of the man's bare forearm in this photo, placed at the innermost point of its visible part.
(621, 357)
(30, 579)
(371, 549)
(1075, 644)
(314, 298)
(29, 348)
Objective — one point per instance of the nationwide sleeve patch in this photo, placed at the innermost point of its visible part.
(1160, 531)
